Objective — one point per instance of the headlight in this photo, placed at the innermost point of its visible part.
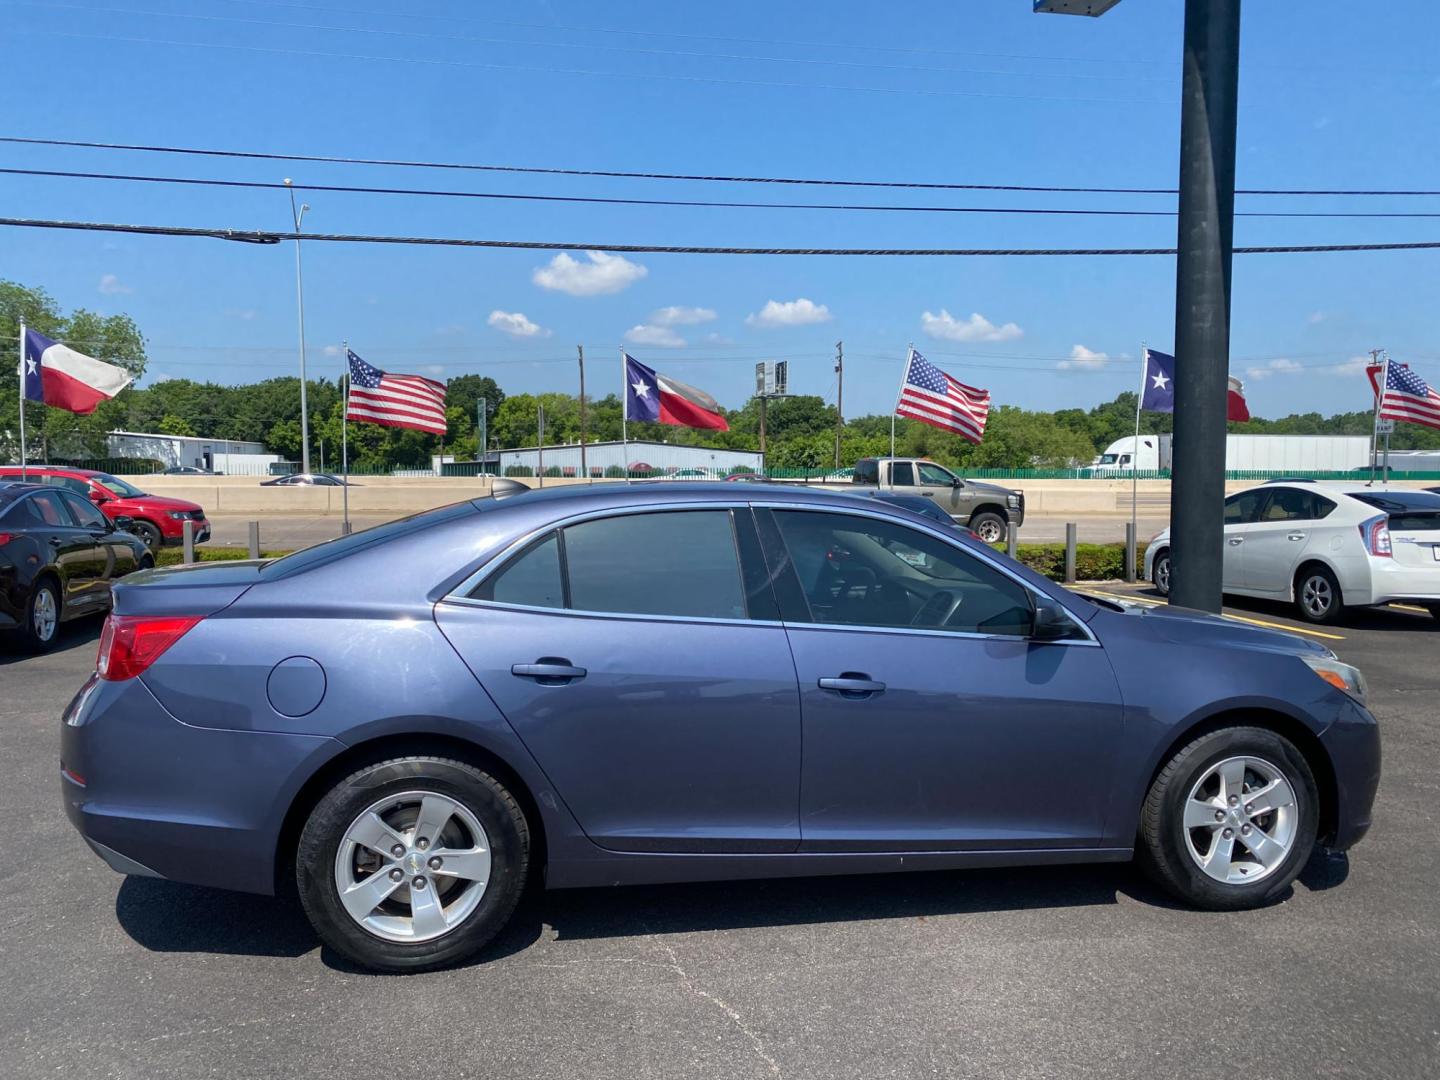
(1013, 501)
(1339, 675)
(179, 515)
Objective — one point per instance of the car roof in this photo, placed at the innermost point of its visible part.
(53, 470)
(10, 490)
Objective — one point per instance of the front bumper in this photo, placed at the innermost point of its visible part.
(154, 796)
(1353, 745)
(202, 533)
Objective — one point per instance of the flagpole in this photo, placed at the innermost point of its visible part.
(20, 374)
(345, 441)
(1135, 448)
(624, 413)
(909, 359)
(1380, 387)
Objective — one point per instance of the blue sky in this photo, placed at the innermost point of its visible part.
(1333, 95)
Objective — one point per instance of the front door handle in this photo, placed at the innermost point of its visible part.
(1296, 536)
(56, 541)
(853, 684)
(549, 671)
(1235, 541)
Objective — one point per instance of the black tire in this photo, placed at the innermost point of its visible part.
(1317, 595)
(149, 533)
(1160, 573)
(33, 640)
(1162, 849)
(989, 526)
(479, 793)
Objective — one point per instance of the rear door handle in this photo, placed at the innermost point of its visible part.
(1296, 536)
(853, 684)
(549, 671)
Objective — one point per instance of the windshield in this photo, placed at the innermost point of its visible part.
(116, 486)
(1108, 459)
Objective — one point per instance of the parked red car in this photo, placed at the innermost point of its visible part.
(157, 519)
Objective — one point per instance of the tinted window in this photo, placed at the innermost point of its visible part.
(85, 514)
(1415, 521)
(867, 471)
(682, 562)
(1243, 507)
(48, 509)
(1288, 504)
(531, 578)
(866, 572)
(902, 474)
(934, 474)
(69, 483)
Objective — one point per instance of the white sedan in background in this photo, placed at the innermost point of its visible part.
(1325, 547)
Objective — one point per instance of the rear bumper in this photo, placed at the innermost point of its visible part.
(153, 796)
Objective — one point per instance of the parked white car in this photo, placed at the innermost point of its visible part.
(1325, 547)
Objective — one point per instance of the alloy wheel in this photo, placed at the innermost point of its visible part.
(1162, 574)
(412, 867)
(44, 618)
(1316, 596)
(1241, 820)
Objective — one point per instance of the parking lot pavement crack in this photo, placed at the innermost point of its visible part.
(673, 963)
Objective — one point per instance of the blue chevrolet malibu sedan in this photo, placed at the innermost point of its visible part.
(626, 683)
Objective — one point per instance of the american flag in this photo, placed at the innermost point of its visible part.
(406, 401)
(931, 396)
(1406, 397)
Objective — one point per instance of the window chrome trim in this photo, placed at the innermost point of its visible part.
(460, 594)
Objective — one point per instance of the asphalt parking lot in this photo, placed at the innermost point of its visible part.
(1048, 973)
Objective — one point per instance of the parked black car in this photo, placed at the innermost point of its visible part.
(58, 555)
(306, 479)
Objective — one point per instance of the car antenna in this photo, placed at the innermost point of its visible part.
(502, 487)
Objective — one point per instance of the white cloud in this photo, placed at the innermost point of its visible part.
(1280, 366)
(435, 371)
(976, 328)
(516, 324)
(646, 334)
(682, 316)
(331, 350)
(799, 312)
(1356, 365)
(1084, 359)
(718, 339)
(602, 274)
(111, 285)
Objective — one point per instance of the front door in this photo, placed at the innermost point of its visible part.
(649, 677)
(78, 557)
(117, 553)
(931, 720)
(1241, 512)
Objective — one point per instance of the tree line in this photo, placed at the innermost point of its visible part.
(800, 431)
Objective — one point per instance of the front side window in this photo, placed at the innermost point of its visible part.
(934, 474)
(859, 571)
(1244, 507)
(681, 563)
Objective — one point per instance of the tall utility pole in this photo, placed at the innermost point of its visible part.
(584, 471)
(298, 215)
(1202, 298)
(839, 397)
(764, 401)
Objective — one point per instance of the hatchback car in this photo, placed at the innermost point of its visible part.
(159, 520)
(58, 556)
(634, 683)
(1324, 547)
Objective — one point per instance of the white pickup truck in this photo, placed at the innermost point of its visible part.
(985, 508)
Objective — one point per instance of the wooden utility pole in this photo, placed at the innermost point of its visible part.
(839, 397)
(585, 472)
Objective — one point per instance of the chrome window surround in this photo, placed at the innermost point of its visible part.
(460, 594)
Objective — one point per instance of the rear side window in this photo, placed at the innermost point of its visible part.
(682, 563)
(867, 471)
(48, 509)
(1295, 504)
(69, 483)
(902, 474)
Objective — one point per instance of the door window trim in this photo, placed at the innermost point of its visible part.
(460, 594)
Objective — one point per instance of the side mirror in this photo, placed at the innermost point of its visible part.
(98, 497)
(1052, 622)
(124, 522)
(957, 482)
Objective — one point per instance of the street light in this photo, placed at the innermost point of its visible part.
(299, 215)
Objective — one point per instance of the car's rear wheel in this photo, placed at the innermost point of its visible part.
(149, 533)
(412, 864)
(989, 527)
(1317, 595)
(1231, 819)
(42, 616)
(1160, 573)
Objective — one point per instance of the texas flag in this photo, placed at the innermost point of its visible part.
(649, 396)
(1159, 394)
(65, 379)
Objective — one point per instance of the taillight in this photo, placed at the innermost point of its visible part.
(1376, 534)
(131, 643)
(5, 538)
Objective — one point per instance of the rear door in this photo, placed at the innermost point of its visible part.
(648, 674)
(1289, 525)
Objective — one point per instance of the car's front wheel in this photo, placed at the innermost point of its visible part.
(1160, 573)
(1231, 819)
(412, 864)
(149, 533)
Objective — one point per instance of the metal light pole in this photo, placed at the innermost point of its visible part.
(298, 215)
(1208, 105)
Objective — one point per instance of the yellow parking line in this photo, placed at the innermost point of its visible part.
(1226, 615)
(1409, 607)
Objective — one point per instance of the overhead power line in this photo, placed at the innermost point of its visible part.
(351, 189)
(265, 236)
(699, 177)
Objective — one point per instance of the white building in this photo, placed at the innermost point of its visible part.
(603, 457)
(232, 456)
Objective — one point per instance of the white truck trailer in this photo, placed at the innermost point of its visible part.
(1251, 453)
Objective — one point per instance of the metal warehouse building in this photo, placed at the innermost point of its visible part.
(601, 457)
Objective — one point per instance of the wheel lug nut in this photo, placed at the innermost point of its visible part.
(1244, 830)
(397, 851)
(1249, 808)
(418, 883)
(422, 843)
(1219, 815)
(1228, 833)
(396, 875)
(1234, 799)
(435, 863)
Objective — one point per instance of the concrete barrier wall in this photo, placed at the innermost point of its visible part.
(408, 495)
